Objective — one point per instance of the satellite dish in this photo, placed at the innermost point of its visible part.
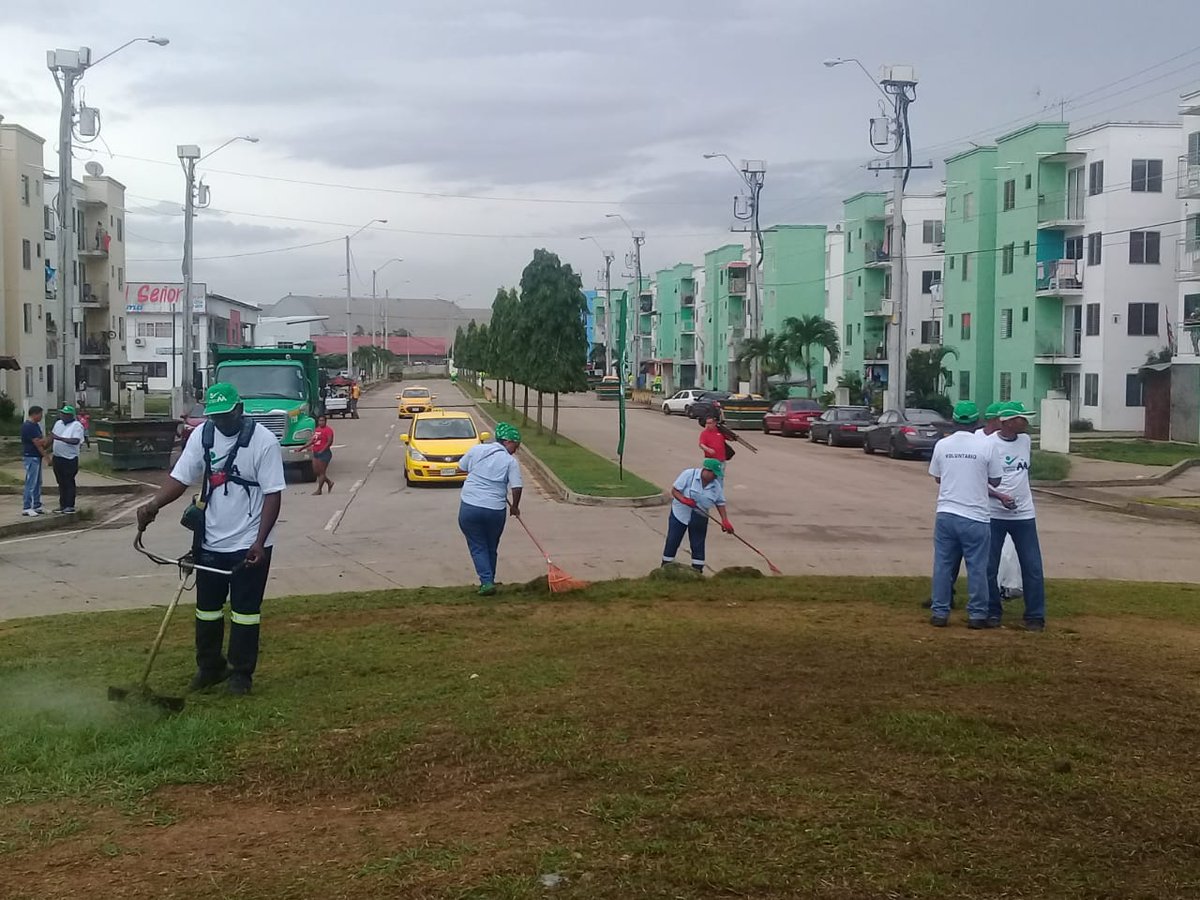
(94, 169)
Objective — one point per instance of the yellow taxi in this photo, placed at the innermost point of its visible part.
(413, 400)
(436, 441)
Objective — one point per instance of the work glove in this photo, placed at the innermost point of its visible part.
(727, 526)
(688, 501)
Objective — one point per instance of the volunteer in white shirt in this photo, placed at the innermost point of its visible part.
(66, 436)
(492, 471)
(964, 464)
(241, 472)
(1013, 516)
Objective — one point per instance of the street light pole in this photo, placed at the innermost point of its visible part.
(349, 286)
(609, 256)
(375, 299)
(67, 68)
(639, 238)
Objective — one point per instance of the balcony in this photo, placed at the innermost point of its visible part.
(646, 305)
(1052, 349)
(94, 296)
(876, 256)
(687, 301)
(1058, 213)
(885, 310)
(1189, 339)
(1060, 278)
(1188, 185)
(1187, 265)
(94, 346)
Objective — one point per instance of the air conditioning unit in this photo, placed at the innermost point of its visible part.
(887, 307)
(139, 342)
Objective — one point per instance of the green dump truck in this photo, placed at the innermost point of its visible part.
(280, 387)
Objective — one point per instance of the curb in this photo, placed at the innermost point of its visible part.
(1174, 471)
(563, 493)
(1137, 508)
(41, 525)
(95, 490)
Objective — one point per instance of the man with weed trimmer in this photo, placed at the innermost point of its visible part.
(239, 466)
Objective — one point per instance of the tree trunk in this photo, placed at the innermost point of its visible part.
(525, 409)
(541, 429)
(808, 377)
(554, 423)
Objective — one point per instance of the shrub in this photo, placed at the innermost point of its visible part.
(1082, 425)
(8, 409)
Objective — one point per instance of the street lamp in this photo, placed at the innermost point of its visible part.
(841, 61)
(189, 158)
(609, 256)
(375, 299)
(67, 68)
(349, 345)
(639, 238)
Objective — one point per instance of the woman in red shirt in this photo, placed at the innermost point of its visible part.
(321, 444)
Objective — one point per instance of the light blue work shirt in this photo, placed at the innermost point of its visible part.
(491, 471)
(706, 496)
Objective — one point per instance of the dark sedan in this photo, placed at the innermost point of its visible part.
(790, 417)
(841, 426)
(912, 432)
(704, 406)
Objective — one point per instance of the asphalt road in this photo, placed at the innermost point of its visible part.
(812, 509)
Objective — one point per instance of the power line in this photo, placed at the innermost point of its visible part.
(244, 253)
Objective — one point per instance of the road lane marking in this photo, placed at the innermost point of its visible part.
(354, 487)
(379, 448)
(371, 464)
(334, 519)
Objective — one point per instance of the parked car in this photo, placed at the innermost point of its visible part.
(189, 422)
(681, 403)
(911, 432)
(708, 403)
(790, 417)
(841, 426)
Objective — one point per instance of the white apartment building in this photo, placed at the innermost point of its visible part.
(1118, 193)
(835, 292)
(28, 323)
(154, 312)
(924, 253)
(95, 282)
(1185, 374)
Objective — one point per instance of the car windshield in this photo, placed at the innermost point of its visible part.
(923, 416)
(415, 393)
(857, 412)
(802, 405)
(443, 429)
(282, 382)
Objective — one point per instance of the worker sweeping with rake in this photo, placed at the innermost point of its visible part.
(492, 472)
(694, 493)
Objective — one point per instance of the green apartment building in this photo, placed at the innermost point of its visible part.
(639, 340)
(724, 317)
(794, 279)
(674, 326)
(867, 284)
(969, 285)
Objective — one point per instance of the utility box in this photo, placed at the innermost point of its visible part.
(898, 74)
(1055, 433)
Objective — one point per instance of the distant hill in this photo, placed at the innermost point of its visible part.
(420, 316)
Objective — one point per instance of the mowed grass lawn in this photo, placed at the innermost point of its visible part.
(1146, 453)
(578, 467)
(791, 737)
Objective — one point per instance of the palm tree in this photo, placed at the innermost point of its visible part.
(769, 350)
(927, 372)
(801, 335)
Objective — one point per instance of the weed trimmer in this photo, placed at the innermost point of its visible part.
(560, 582)
(140, 692)
(770, 565)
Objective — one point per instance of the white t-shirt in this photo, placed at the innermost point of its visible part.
(1014, 460)
(964, 461)
(232, 517)
(491, 471)
(72, 430)
(690, 484)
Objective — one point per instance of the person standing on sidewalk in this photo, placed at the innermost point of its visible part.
(66, 438)
(492, 471)
(33, 447)
(240, 468)
(964, 464)
(355, 393)
(1013, 516)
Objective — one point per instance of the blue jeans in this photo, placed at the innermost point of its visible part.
(1029, 553)
(956, 539)
(696, 530)
(31, 498)
(482, 528)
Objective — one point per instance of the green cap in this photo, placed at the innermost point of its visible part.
(715, 466)
(221, 397)
(1015, 410)
(993, 411)
(68, 410)
(966, 412)
(506, 432)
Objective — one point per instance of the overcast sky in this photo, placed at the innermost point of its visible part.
(533, 103)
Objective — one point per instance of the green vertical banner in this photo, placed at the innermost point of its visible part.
(622, 327)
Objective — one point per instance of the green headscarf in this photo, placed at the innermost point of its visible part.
(506, 432)
(715, 466)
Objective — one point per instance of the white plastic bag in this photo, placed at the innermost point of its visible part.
(1010, 570)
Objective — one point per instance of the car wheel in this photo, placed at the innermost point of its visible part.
(894, 451)
(812, 435)
(766, 428)
(829, 441)
(666, 410)
(867, 448)
(687, 411)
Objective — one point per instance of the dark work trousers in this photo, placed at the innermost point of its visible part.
(697, 532)
(244, 590)
(65, 471)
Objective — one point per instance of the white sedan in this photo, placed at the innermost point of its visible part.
(681, 402)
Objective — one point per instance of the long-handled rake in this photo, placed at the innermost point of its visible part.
(560, 582)
(770, 565)
(140, 691)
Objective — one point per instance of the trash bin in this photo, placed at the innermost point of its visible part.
(744, 414)
(135, 443)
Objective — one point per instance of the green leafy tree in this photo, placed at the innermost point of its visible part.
(554, 311)
(929, 378)
(807, 340)
(769, 351)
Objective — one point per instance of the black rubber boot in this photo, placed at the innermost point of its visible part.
(211, 667)
(243, 656)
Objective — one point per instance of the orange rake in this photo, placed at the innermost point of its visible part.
(560, 582)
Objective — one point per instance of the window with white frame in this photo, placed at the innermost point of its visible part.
(1091, 389)
(1144, 247)
(1146, 176)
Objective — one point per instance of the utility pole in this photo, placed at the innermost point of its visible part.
(349, 339)
(639, 238)
(609, 337)
(189, 155)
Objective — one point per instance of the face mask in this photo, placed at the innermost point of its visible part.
(228, 423)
